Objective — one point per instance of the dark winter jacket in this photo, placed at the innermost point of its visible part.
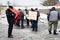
(22, 15)
(10, 15)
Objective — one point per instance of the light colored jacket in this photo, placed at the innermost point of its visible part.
(53, 16)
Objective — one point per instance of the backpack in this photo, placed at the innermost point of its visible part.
(53, 16)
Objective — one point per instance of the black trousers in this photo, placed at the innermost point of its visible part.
(22, 23)
(10, 28)
(27, 22)
(34, 25)
(18, 22)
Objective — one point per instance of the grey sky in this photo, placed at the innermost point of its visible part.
(22, 2)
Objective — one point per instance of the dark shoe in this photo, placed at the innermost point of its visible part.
(10, 36)
(27, 26)
(18, 25)
(55, 33)
(22, 27)
(35, 31)
(50, 32)
(32, 30)
(59, 30)
(31, 27)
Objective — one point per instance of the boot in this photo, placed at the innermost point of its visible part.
(55, 32)
(50, 32)
(10, 36)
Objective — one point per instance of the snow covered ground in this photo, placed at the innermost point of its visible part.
(42, 18)
(3, 19)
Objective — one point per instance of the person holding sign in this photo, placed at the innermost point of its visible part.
(38, 14)
(33, 17)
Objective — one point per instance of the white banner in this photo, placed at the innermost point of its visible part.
(32, 15)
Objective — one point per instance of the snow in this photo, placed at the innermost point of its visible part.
(22, 2)
(3, 19)
(42, 18)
